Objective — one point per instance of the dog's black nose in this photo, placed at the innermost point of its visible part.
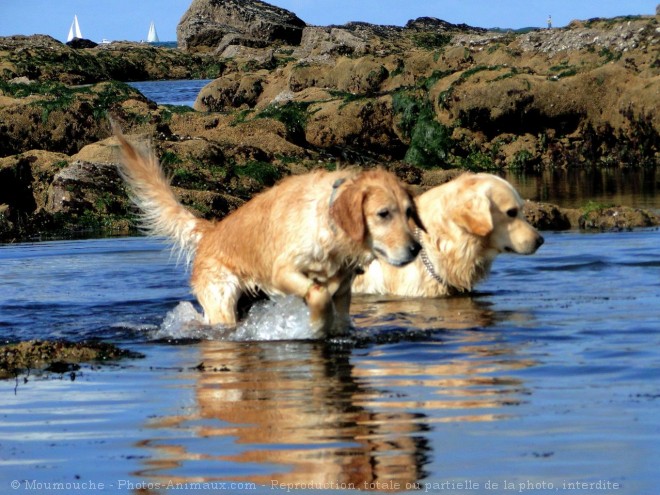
(415, 248)
(539, 241)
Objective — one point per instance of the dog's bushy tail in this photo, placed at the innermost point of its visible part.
(161, 212)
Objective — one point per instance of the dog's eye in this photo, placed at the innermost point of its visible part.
(384, 213)
(512, 212)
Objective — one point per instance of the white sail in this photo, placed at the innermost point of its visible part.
(152, 37)
(74, 30)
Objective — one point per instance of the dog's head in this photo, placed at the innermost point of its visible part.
(486, 206)
(376, 210)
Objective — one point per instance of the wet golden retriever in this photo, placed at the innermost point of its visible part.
(305, 236)
(469, 221)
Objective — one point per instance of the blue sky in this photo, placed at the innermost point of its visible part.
(129, 19)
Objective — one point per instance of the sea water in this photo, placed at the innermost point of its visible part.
(544, 376)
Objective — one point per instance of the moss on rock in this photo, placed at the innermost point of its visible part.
(56, 356)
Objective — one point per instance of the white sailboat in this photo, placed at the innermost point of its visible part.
(74, 30)
(152, 37)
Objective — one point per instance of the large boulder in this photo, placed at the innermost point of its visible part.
(319, 41)
(207, 22)
(357, 128)
(235, 90)
(25, 178)
(86, 186)
(80, 43)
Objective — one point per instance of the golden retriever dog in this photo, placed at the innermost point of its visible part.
(305, 237)
(469, 221)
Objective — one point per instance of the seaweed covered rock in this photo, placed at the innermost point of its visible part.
(56, 356)
(427, 100)
(85, 186)
(42, 58)
(78, 43)
(611, 218)
(59, 118)
(231, 92)
(545, 216)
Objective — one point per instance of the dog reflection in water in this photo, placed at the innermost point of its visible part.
(304, 412)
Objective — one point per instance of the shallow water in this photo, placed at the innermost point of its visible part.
(546, 377)
(175, 92)
(576, 188)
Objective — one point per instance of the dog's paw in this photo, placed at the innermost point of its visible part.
(318, 296)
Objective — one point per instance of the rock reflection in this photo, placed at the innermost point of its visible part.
(576, 187)
(324, 415)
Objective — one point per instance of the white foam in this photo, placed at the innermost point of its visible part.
(183, 322)
(285, 318)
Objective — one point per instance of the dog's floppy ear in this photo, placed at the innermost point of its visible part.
(347, 212)
(474, 215)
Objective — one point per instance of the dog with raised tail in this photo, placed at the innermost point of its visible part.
(470, 221)
(305, 236)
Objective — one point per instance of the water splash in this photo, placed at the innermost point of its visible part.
(284, 318)
(183, 322)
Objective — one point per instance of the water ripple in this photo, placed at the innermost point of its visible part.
(548, 370)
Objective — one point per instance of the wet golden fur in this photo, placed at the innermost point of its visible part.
(469, 220)
(305, 236)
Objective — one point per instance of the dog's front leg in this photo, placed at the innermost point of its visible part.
(219, 301)
(218, 290)
(317, 296)
(321, 309)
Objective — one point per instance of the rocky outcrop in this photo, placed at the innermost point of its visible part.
(559, 117)
(546, 216)
(42, 58)
(78, 43)
(232, 92)
(323, 41)
(440, 95)
(361, 38)
(25, 180)
(83, 186)
(615, 218)
(63, 119)
(427, 100)
(595, 34)
(44, 194)
(210, 24)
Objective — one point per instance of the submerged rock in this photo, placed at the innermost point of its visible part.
(56, 356)
(611, 218)
(546, 216)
